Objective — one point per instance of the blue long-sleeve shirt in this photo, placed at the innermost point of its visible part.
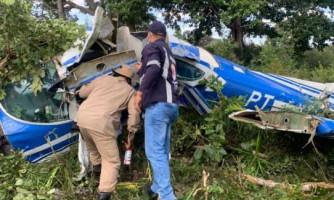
(158, 74)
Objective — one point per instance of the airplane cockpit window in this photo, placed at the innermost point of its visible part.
(46, 106)
(187, 72)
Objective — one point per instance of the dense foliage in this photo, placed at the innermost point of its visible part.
(308, 23)
(302, 20)
(134, 14)
(26, 43)
(22, 180)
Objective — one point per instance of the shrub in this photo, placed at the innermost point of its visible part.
(207, 134)
(276, 57)
(224, 48)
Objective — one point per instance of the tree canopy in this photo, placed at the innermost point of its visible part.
(307, 22)
(304, 20)
(133, 13)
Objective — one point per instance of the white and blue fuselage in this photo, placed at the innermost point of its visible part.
(40, 125)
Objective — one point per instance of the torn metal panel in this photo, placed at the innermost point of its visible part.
(88, 71)
(74, 54)
(279, 120)
(106, 31)
(126, 41)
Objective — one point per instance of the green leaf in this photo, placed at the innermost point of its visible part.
(219, 127)
(21, 190)
(245, 145)
(208, 149)
(19, 182)
(42, 74)
(198, 132)
(53, 174)
(208, 132)
(9, 2)
(22, 171)
(222, 152)
(51, 191)
(198, 154)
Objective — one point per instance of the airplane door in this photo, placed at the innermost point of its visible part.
(189, 76)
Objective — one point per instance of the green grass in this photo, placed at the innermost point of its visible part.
(287, 162)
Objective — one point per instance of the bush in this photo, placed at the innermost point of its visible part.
(319, 74)
(22, 180)
(206, 134)
(313, 58)
(276, 57)
(224, 48)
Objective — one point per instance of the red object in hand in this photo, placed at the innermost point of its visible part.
(127, 156)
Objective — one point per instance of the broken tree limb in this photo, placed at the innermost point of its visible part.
(205, 184)
(263, 182)
(305, 187)
(260, 155)
(205, 187)
(81, 8)
(3, 61)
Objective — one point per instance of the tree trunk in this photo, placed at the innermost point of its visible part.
(132, 26)
(238, 36)
(60, 8)
(82, 9)
(114, 20)
(91, 5)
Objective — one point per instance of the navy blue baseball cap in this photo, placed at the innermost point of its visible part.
(158, 28)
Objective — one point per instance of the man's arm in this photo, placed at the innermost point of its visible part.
(153, 69)
(134, 116)
(86, 90)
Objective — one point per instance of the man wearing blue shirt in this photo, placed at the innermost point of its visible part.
(157, 95)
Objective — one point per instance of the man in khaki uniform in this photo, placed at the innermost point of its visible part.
(99, 119)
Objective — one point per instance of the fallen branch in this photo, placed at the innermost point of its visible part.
(205, 185)
(305, 187)
(10, 52)
(53, 58)
(260, 155)
(4, 60)
(81, 8)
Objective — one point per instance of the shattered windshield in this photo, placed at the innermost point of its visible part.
(46, 106)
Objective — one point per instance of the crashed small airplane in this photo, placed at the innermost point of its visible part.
(42, 124)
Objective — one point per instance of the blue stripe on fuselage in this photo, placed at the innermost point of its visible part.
(245, 84)
(55, 148)
(70, 61)
(303, 86)
(27, 135)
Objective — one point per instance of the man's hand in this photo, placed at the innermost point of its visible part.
(138, 100)
(138, 65)
(131, 136)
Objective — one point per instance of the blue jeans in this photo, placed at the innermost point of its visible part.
(158, 122)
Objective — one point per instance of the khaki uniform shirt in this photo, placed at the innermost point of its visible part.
(107, 97)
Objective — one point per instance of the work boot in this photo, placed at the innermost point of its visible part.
(104, 196)
(97, 171)
(151, 195)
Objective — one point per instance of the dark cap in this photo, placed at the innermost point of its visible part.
(158, 28)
